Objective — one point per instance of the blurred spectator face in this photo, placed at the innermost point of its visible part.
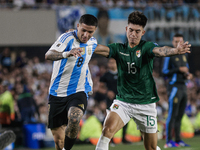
(6, 52)
(176, 40)
(19, 88)
(103, 23)
(112, 64)
(197, 73)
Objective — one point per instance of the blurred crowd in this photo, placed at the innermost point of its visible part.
(19, 4)
(24, 84)
(26, 81)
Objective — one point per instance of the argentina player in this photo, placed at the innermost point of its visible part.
(70, 81)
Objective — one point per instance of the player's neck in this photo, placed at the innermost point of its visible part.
(132, 45)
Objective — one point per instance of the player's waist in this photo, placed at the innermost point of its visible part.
(138, 100)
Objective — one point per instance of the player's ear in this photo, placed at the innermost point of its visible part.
(143, 32)
(77, 25)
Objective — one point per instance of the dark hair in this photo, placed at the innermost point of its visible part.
(137, 18)
(89, 20)
(178, 35)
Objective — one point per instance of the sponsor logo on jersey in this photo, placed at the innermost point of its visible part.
(58, 45)
(115, 106)
(81, 105)
(89, 50)
(124, 54)
(138, 53)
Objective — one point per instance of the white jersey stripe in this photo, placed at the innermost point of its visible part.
(64, 37)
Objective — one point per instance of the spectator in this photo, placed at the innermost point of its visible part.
(7, 113)
(27, 106)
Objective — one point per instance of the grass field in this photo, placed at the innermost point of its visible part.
(194, 142)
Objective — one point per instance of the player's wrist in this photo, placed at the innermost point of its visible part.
(65, 54)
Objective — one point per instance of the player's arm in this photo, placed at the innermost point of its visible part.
(102, 50)
(165, 51)
(54, 55)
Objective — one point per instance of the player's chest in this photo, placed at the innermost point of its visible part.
(131, 58)
(86, 53)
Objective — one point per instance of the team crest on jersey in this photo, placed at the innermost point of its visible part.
(115, 106)
(177, 59)
(81, 105)
(83, 50)
(138, 53)
(89, 50)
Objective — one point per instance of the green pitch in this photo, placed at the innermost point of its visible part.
(194, 142)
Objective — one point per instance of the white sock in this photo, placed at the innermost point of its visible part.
(103, 143)
(158, 148)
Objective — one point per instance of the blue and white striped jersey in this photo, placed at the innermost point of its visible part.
(72, 75)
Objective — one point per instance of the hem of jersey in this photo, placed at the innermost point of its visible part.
(129, 101)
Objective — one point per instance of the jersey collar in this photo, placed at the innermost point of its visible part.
(75, 31)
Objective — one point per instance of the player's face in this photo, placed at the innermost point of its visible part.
(85, 32)
(134, 34)
(176, 40)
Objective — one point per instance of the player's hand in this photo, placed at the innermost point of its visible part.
(75, 52)
(183, 47)
(189, 76)
(183, 69)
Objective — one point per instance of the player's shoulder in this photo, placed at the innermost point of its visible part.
(67, 35)
(93, 40)
(118, 45)
(146, 43)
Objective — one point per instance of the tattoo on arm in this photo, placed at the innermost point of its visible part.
(74, 116)
(165, 51)
(53, 55)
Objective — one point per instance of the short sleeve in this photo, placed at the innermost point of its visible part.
(148, 47)
(113, 50)
(62, 42)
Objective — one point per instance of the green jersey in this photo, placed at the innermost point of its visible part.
(135, 65)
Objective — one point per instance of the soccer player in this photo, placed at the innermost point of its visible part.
(71, 81)
(177, 71)
(137, 95)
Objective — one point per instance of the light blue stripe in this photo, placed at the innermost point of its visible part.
(165, 69)
(93, 47)
(88, 88)
(56, 82)
(63, 38)
(171, 98)
(174, 78)
(76, 73)
(187, 65)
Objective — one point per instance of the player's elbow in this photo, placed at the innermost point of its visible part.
(47, 56)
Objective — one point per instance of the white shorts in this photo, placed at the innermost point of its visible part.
(144, 115)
